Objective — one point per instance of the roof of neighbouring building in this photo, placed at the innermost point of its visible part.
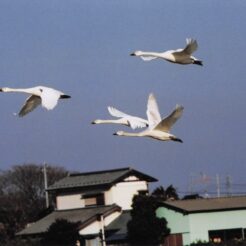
(119, 227)
(98, 178)
(207, 204)
(84, 215)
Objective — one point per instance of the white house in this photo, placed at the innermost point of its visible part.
(95, 199)
(213, 219)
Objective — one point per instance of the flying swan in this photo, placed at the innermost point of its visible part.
(180, 56)
(46, 96)
(158, 128)
(124, 119)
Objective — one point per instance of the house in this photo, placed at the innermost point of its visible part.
(117, 230)
(211, 219)
(95, 199)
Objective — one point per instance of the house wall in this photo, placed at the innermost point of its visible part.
(120, 194)
(196, 226)
(69, 201)
(123, 192)
(177, 222)
(215, 221)
(95, 227)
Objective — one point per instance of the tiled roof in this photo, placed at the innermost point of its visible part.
(92, 179)
(119, 227)
(83, 215)
(207, 204)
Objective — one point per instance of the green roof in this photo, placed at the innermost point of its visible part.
(84, 215)
(98, 178)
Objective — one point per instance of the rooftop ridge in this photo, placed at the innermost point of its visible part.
(206, 198)
(87, 208)
(101, 171)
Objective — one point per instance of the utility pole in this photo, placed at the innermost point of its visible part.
(228, 185)
(102, 230)
(191, 183)
(218, 185)
(46, 185)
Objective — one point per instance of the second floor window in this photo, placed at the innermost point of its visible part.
(94, 200)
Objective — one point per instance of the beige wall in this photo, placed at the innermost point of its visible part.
(69, 201)
(120, 194)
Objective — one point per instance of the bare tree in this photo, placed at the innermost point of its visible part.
(22, 195)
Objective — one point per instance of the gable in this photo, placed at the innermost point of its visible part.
(104, 179)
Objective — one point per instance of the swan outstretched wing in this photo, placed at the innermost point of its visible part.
(116, 113)
(166, 124)
(153, 113)
(134, 122)
(191, 46)
(30, 104)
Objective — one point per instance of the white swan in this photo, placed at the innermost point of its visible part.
(46, 96)
(180, 56)
(158, 128)
(124, 119)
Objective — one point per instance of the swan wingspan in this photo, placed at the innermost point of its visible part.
(134, 122)
(30, 104)
(153, 113)
(166, 124)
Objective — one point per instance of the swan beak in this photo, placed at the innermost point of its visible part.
(197, 62)
(1, 89)
(132, 54)
(115, 134)
(93, 122)
(176, 139)
(65, 96)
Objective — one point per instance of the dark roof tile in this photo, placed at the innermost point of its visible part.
(73, 215)
(106, 177)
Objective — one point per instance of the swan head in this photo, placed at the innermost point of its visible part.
(96, 122)
(136, 53)
(173, 138)
(4, 89)
(119, 133)
(65, 96)
(198, 62)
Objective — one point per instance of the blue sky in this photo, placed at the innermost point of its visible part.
(83, 47)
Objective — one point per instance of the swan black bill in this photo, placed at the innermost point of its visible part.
(198, 63)
(65, 96)
(176, 139)
(132, 54)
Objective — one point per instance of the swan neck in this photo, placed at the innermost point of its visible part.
(7, 89)
(106, 121)
(150, 53)
(132, 134)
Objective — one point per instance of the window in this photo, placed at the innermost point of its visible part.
(142, 192)
(228, 235)
(94, 200)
